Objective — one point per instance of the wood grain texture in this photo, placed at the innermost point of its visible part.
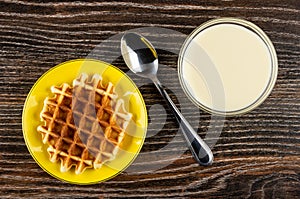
(257, 154)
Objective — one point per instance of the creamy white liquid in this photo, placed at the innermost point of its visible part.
(226, 67)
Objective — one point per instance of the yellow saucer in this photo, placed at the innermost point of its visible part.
(66, 72)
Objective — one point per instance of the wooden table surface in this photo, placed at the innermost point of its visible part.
(257, 154)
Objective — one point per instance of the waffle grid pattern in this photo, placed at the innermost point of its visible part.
(84, 124)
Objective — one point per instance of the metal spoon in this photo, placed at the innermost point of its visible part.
(141, 58)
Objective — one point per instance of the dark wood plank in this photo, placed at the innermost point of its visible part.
(257, 154)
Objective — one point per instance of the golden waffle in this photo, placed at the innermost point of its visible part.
(84, 124)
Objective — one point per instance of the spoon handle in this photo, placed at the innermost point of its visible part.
(201, 152)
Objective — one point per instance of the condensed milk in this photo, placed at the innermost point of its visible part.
(227, 66)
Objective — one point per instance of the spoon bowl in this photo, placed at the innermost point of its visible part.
(139, 55)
